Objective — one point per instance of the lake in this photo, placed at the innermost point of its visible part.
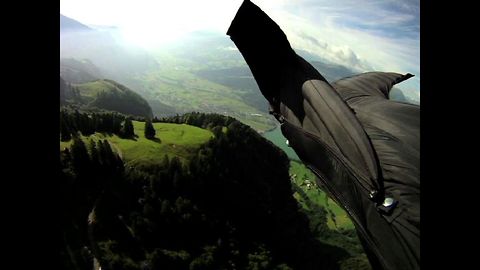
(276, 136)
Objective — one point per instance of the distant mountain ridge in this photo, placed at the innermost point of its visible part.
(115, 60)
(79, 71)
(67, 24)
(75, 71)
(332, 72)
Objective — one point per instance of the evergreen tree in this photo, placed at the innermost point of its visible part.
(94, 156)
(80, 157)
(109, 155)
(127, 129)
(102, 154)
(149, 130)
(64, 130)
(116, 124)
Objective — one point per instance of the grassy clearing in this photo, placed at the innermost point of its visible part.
(91, 89)
(173, 140)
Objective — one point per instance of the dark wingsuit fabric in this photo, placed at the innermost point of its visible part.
(363, 147)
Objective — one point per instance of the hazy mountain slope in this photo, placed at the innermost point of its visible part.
(114, 58)
(240, 79)
(187, 92)
(332, 72)
(79, 71)
(397, 95)
(63, 89)
(70, 25)
(201, 50)
(178, 93)
(202, 71)
(112, 96)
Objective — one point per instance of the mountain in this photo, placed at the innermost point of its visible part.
(110, 95)
(170, 87)
(107, 95)
(89, 54)
(115, 59)
(412, 96)
(79, 71)
(332, 72)
(71, 25)
(240, 79)
(201, 50)
(202, 71)
(397, 95)
(63, 89)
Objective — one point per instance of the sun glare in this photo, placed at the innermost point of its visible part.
(150, 23)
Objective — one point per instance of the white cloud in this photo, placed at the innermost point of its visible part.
(374, 45)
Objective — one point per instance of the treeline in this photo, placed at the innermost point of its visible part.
(229, 207)
(202, 120)
(71, 123)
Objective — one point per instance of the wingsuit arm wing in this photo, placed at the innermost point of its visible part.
(299, 93)
(369, 84)
(328, 136)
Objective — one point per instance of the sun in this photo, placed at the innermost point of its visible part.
(148, 37)
(150, 23)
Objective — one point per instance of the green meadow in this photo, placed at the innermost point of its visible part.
(178, 140)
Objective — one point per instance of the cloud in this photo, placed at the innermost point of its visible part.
(360, 34)
(343, 55)
(231, 48)
(346, 55)
(312, 40)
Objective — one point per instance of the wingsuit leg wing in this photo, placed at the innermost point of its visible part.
(327, 135)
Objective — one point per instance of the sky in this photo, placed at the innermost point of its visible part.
(364, 35)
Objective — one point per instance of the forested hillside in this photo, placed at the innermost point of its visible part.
(228, 206)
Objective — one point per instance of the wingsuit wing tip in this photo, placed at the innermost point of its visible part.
(231, 28)
(404, 78)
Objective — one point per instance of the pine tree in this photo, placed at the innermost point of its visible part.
(109, 155)
(80, 157)
(116, 124)
(64, 130)
(149, 130)
(102, 153)
(94, 156)
(127, 129)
